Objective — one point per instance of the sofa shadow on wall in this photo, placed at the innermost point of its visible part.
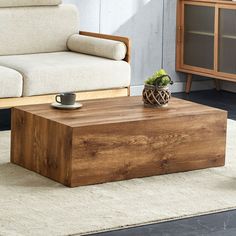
(144, 28)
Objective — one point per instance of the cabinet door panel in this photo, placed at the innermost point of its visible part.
(199, 26)
(227, 41)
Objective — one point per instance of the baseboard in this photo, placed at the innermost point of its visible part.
(178, 87)
(228, 86)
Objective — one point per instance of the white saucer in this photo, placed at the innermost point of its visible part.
(66, 107)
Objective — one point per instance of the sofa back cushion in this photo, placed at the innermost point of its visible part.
(21, 3)
(25, 30)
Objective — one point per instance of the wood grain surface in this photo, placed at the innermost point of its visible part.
(41, 145)
(117, 139)
(87, 95)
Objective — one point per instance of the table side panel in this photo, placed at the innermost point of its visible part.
(120, 151)
(41, 145)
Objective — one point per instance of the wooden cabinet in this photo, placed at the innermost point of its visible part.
(206, 39)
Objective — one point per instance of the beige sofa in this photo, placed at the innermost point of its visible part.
(43, 53)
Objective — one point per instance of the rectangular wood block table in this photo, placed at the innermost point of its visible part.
(117, 139)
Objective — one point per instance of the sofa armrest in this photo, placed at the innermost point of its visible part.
(125, 40)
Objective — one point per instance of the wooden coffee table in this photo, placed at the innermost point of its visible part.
(117, 139)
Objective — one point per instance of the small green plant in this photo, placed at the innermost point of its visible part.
(160, 78)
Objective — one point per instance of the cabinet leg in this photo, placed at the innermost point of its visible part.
(129, 91)
(217, 84)
(188, 83)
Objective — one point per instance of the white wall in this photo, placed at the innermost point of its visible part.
(89, 11)
(141, 20)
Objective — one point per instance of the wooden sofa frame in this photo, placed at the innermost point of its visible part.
(118, 92)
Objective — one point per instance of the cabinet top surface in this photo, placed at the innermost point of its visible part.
(212, 1)
(116, 110)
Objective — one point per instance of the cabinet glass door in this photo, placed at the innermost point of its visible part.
(227, 41)
(199, 28)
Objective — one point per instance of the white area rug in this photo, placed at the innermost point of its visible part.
(34, 205)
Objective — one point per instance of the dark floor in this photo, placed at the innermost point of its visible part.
(223, 100)
(220, 224)
(5, 117)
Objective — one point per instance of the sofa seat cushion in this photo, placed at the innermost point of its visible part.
(11, 82)
(47, 73)
(21, 3)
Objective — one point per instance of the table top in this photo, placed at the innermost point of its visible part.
(117, 110)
